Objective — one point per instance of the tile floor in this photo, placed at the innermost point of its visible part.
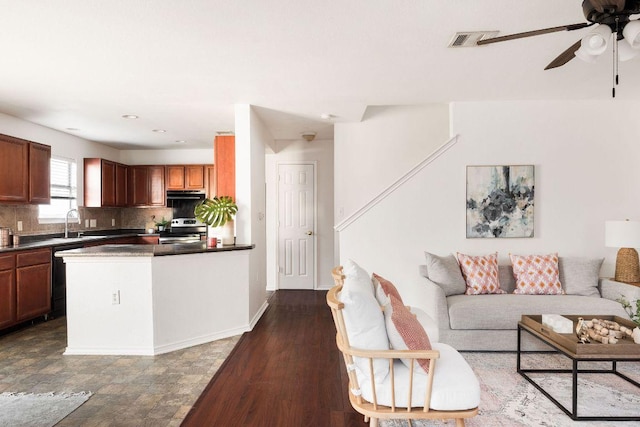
(127, 390)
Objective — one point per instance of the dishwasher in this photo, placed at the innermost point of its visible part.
(59, 280)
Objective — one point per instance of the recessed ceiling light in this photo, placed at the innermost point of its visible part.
(129, 116)
(181, 141)
(159, 130)
(72, 129)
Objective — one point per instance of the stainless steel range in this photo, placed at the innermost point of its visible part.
(184, 230)
(184, 227)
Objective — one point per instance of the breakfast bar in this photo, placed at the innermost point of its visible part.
(153, 299)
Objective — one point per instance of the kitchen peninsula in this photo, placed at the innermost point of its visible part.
(153, 299)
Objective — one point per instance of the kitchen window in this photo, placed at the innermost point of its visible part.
(64, 191)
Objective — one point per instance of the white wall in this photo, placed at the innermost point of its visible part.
(388, 142)
(320, 152)
(252, 138)
(585, 156)
(167, 157)
(62, 144)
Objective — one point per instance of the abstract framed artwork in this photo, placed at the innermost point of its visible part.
(500, 201)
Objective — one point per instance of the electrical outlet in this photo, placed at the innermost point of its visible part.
(92, 223)
(19, 225)
(115, 297)
(113, 222)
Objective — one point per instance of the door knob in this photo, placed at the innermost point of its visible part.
(309, 233)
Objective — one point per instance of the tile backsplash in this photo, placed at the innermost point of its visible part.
(124, 218)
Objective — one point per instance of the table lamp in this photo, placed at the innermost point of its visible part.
(626, 236)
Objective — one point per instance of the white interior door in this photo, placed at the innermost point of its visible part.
(296, 217)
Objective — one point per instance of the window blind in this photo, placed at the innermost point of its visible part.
(64, 190)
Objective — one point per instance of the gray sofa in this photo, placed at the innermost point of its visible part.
(489, 322)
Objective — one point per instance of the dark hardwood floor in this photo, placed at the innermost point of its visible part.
(286, 372)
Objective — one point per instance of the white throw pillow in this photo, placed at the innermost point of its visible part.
(364, 320)
(356, 277)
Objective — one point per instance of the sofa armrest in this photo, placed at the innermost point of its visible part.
(436, 304)
(610, 289)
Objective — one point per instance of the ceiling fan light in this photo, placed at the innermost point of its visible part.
(586, 57)
(631, 33)
(595, 42)
(625, 52)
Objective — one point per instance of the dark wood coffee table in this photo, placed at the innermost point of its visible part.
(569, 345)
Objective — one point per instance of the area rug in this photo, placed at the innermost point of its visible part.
(38, 410)
(508, 400)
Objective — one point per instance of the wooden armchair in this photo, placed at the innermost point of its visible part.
(403, 394)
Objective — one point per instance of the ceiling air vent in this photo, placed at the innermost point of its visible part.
(470, 38)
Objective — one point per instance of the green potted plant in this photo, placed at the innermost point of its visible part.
(218, 213)
(162, 224)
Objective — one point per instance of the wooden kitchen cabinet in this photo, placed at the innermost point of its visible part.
(210, 176)
(24, 171)
(105, 183)
(225, 160)
(7, 290)
(121, 185)
(39, 174)
(33, 284)
(146, 186)
(185, 177)
(157, 196)
(138, 186)
(25, 286)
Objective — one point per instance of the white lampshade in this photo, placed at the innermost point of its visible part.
(625, 52)
(631, 33)
(622, 234)
(582, 54)
(595, 42)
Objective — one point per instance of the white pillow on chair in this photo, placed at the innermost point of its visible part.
(364, 320)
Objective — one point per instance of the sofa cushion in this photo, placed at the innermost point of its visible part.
(536, 274)
(455, 385)
(480, 273)
(405, 332)
(363, 319)
(579, 276)
(507, 280)
(445, 272)
(505, 311)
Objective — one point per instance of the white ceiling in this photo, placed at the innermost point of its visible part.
(182, 65)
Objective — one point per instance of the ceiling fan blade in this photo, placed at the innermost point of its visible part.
(565, 56)
(602, 5)
(534, 33)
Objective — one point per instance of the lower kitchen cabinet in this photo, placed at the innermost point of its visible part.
(7, 290)
(25, 286)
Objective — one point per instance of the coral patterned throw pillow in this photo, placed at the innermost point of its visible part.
(406, 332)
(480, 273)
(536, 274)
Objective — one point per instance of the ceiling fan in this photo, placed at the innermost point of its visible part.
(612, 17)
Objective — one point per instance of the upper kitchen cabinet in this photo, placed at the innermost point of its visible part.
(146, 186)
(39, 173)
(105, 183)
(24, 171)
(185, 177)
(225, 160)
(210, 176)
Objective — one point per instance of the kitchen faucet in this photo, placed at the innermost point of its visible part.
(66, 222)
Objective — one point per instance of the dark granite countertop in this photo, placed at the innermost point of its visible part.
(59, 242)
(148, 250)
